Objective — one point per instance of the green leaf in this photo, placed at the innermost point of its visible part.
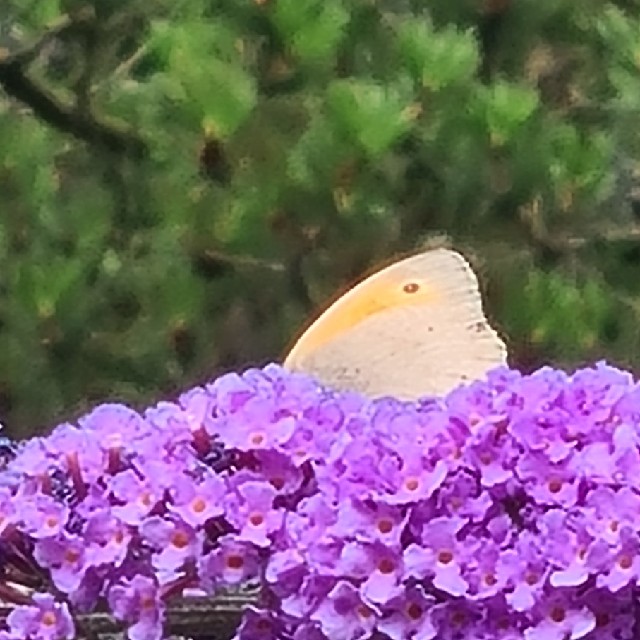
(576, 160)
(313, 28)
(506, 108)
(373, 115)
(221, 92)
(229, 98)
(437, 58)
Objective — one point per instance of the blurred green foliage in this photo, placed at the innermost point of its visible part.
(183, 183)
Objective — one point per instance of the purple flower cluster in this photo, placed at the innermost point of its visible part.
(508, 509)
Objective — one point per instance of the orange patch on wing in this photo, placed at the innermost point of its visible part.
(355, 307)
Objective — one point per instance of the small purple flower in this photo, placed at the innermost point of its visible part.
(65, 556)
(596, 463)
(370, 522)
(610, 510)
(440, 556)
(493, 456)
(286, 571)
(344, 615)
(111, 419)
(462, 496)
(42, 516)
(499, 621)
(558, 618)
(351, 468)
(229, 393)
(626, 454)
(259, 624)
(614, 613)
(566, 543)
(411, 480)
(279, 471)
(525, 569)
(252, 512)
(77, 450)
(547, 483)
(618, 566)
(311, 521)
(408, 616)
(197, 406)
(8, 515)
(173, 541)
(137, 602)
(197, 502)
(107, 539)
(232, 562)
(305, 600)
(46, 619)
(455, 619)
(32, 460)
(138, 496)
(481, 572)
(255, 424)
(543, 434)
(594, 392)
(379, 569)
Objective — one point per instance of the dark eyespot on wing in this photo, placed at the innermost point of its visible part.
(411, 287)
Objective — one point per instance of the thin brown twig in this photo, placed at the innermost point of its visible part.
(240, 261)
(60, 114)
(29, 52)
(126, 65)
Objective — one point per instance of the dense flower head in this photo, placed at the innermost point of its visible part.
(508, 509)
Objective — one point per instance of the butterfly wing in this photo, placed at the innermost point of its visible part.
(378, 340)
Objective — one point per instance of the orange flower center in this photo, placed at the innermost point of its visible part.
(257, 439)
(555, 485)
(198, 505)
(71, 556)
(458, 619)
(490, 579)
(235, 561)
(411, 484)
(256, 519)
(414, 611)
(445, 556)
(364, 612)
(49, 619)
(263, 625)
(531, 578)
(386, 566)
(385, 525)
(180, 539)
(277, 483)
(625, 561)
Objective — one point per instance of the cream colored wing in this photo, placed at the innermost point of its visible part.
(413, 329)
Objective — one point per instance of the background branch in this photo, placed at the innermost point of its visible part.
(64, 116)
